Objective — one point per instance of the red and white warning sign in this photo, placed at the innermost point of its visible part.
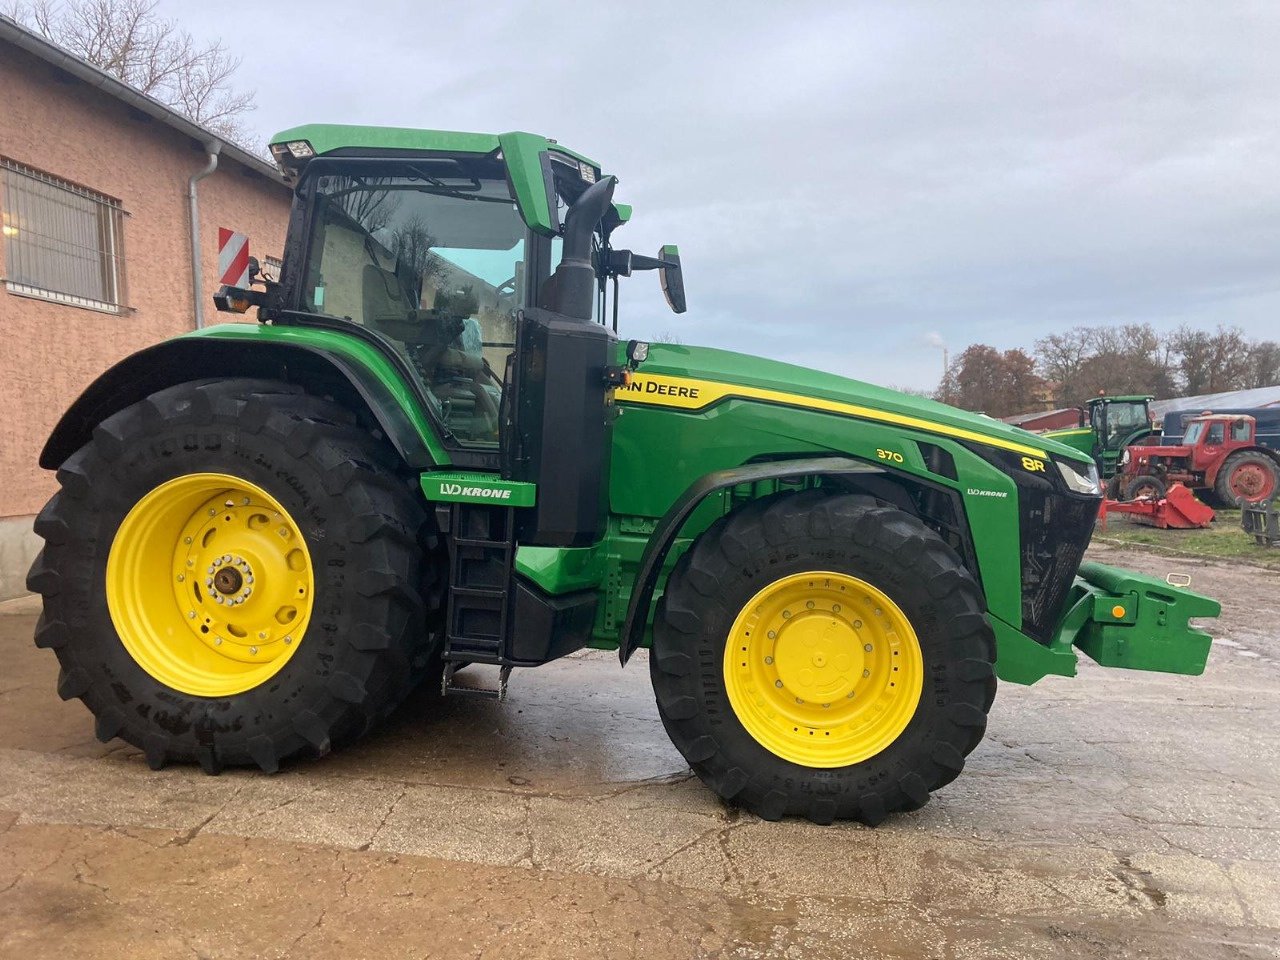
(233, 258)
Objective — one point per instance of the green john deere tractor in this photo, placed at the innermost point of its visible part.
(1107, 426)
(432, 451)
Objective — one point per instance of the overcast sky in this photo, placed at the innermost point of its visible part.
(851, 184)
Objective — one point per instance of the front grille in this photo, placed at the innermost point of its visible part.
(1054, 527)
(1055, 530)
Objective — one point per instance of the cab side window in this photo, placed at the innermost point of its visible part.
(1240, 430)
(1216, 433)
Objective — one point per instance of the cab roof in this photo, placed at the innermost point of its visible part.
(527, 156)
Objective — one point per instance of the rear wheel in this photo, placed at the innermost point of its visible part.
(262, 566)
(823, 656)
(1144, 485)
(1247, 477)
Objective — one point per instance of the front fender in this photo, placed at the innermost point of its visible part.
(348, 369)
(664, 535)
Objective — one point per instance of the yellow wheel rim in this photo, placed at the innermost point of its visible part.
(209, 584)
(823, 669)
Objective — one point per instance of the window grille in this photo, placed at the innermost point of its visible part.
(61, 241)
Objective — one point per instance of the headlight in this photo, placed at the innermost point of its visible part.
(1124, 457)
(1079, 477)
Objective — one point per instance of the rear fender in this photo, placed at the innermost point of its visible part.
(198, 358)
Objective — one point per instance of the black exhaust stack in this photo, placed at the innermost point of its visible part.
(575, 277)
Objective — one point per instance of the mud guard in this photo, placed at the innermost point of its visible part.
(664, 535)
(177, 361)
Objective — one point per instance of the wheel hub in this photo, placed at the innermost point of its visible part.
(818, 656)
(823, 669)
(1250, 481)
(228, 580)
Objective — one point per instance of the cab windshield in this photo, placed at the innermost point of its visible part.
(1123, 419)
(433, 258)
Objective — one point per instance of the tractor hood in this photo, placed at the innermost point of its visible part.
(695, 377)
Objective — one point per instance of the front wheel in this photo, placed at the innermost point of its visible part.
(232, 575)
(1144, 487)
(823, 656)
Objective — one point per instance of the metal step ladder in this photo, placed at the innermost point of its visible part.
(482, 553)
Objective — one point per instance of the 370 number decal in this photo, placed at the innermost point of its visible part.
(889, 455)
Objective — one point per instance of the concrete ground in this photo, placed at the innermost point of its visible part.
(1114, 815)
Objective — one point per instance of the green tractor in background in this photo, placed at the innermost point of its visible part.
(432, 451)
(1107, 426)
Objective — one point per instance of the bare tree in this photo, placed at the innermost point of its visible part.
(1264, 364)
(987, 380)
(1212, 362)
(130, 41)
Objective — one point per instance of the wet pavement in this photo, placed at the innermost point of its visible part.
(1113, 815)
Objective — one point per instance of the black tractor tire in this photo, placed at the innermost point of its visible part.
(888, 548)
(1144, 485)
(1263, 474)
(366, 534)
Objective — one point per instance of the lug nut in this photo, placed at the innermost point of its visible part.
(866, 647)
(187, 541)
(226, 558)
(245, 501)
(217, 641)
(262, 635)
(773, 635)
(213, 512)
(865, 674)
(809, 604)
(768, 659)
(786, 614)
(253, 650)
(191, 615)
(777, 683)
(181, 578)
(835, 608)
(857, 624)
(288, 639)
(798, 700)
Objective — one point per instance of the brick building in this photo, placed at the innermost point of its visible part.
(97, 254)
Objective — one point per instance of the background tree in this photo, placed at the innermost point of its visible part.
(1126, 359)
(1263, 364)
(130, 41)
(997, 383)
(1211, 362)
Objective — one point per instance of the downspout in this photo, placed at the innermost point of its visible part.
(212, 149)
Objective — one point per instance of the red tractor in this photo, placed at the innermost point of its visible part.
(1219, 452)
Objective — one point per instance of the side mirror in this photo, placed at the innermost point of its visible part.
(672, 278)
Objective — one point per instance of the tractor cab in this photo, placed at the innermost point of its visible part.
(1116, 423)
(1107, 426)
(1208, 438)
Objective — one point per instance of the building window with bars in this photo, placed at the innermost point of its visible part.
(61, 241)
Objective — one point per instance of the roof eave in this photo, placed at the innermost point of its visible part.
(13, 32)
